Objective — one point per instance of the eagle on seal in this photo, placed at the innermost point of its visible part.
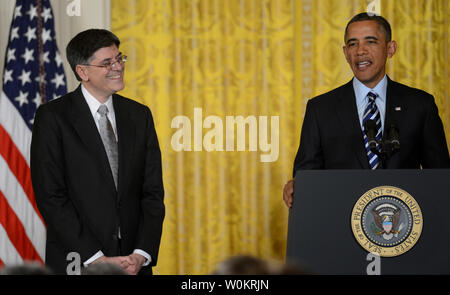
(386, 217)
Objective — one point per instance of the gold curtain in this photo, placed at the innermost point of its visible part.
(198, 63)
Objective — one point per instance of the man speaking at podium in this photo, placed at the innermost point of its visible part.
(340, 126)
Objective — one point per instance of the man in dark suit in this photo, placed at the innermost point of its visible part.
(333, 135)
(96, 165)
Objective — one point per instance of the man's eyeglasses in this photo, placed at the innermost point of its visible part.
(110, 65)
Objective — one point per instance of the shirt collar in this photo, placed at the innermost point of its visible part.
(361, 90)
(94, 104)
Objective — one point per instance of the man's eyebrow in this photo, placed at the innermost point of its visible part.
(351, 40)
(365, 38)
(371, 38)
(108, 59)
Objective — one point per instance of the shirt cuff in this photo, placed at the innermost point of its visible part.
(147, 256)
(93, 258)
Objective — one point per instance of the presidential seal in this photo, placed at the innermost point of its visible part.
(386, 220)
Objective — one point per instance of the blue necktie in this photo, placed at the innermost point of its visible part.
(372, 113)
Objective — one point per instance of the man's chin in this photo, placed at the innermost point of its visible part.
(368, 80)
(118, 87)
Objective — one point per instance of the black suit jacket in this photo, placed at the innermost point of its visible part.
(332, 137)
(74, 186)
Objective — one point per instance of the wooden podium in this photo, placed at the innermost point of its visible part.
(340, 216)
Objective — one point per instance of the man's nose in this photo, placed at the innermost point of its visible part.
(117, 65)
(361, 49)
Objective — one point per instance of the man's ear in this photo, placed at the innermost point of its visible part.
(82, 72)
(345, 50)
(391, 48)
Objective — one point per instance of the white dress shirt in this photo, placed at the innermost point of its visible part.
(94, 104)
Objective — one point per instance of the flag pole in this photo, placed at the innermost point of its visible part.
(42, 84)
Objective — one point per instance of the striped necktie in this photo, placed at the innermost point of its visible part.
(372, 113)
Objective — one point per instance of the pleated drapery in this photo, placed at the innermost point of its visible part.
(204, 66)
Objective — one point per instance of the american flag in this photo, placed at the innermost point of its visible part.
(33, 74)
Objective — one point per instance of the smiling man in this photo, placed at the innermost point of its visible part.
(333, 134)
(96, 165)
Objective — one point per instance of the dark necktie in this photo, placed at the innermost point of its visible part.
(372, 113)
(109, 141)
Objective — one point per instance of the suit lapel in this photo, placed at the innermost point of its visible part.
(394, 107)
(351, 128)
(84, 125)
(126, 140)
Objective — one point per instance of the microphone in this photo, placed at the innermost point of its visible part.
(370, 129)
(394, 138)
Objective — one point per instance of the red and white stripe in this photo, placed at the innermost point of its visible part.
(22, 229)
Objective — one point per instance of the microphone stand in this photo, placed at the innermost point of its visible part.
(388, 147)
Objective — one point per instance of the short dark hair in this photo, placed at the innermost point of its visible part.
(82, 47)
(382, 22)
